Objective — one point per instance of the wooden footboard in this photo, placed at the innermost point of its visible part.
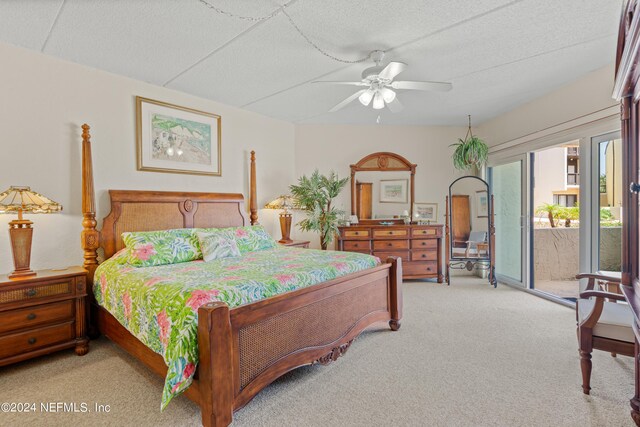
(256, 343)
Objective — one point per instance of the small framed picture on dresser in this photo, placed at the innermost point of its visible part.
(425, 212)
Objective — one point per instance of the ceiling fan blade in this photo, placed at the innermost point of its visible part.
(347, 101)
(435, 86)
(342, 83)
(395, 106)
(392, 70)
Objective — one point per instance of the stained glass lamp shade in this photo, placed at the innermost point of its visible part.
(285, 203)
(19, 200)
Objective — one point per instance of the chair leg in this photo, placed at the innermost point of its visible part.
(585, 365)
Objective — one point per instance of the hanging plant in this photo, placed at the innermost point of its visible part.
(470, 151)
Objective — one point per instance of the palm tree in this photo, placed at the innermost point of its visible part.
(552, 210)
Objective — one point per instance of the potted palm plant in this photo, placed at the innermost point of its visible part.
(470, 152)
(314, 196)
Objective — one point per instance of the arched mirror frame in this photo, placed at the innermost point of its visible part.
(469, 264)
(383, 161)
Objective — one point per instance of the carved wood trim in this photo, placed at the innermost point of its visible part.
(383, 161)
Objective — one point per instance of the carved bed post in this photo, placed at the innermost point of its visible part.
(90, 237)
(215, 365)
(395, 277)
(447, 248)
(253, 198)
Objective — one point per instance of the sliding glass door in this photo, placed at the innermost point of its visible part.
(508, 185)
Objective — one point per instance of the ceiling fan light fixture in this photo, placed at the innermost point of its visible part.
(366, 97)
(378, 101)
(387, 94)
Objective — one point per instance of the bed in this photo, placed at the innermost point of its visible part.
(242, 349)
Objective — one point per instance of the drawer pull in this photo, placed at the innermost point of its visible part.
(31, 316)
(428, 268)
(424, 255)
(31, 292)
(355, 233)
(31, 341)
(389, 244)
(391, 232)
(355, 245)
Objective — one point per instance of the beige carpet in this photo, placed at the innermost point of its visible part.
(468, 355)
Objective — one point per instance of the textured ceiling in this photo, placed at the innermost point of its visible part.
(497, 53)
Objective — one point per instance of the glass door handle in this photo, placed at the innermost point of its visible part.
(634, 188)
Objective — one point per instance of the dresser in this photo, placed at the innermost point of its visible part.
(42, 314)
(419, 246)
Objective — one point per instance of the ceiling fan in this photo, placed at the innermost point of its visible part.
(379, 85)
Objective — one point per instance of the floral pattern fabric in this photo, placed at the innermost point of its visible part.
(159, 304)
(215, 246)
(150, 248)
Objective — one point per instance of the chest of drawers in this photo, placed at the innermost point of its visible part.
(419, 246)
(43, 313)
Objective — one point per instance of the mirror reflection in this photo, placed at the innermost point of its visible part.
(469, 210)
(382, 195)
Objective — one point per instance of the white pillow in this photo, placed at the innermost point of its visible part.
(215, 246)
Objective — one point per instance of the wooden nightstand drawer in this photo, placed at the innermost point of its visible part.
(37, 291)
(23, 342)
(381, 245)
(398, 232)
(36, 315)
(357, 245)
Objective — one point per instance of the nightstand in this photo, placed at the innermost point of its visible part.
(298, 244)
(42, 314)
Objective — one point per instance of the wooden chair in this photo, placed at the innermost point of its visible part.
(602, 324)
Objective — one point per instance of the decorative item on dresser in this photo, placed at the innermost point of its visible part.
(297, 244)
(242, 349)
(19, 200)
(42, 314)
(419, 246)
(284, 202)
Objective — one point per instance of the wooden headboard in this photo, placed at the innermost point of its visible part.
(163, 210)
(133, 210)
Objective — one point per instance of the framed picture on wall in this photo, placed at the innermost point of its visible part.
(482, 204)
(177, 139)
(394, 190)
(423, 212)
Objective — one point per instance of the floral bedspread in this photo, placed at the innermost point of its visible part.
(159, 305)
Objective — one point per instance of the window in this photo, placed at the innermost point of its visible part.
(566, 200)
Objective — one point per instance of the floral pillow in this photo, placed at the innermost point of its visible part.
(151, 248)
(249, 239)
(216, 245)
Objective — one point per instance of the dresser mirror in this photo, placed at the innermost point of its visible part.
(382, 189)
(469, 227)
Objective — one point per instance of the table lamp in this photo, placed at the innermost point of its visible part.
(19, 200)
(285, 203)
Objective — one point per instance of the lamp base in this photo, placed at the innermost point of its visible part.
(21, 233)
(285, 227)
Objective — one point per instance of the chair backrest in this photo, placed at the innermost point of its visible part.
(478, 236)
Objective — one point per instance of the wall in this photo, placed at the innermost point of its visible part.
(582, 97)
(44, 102)
(327, 147)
